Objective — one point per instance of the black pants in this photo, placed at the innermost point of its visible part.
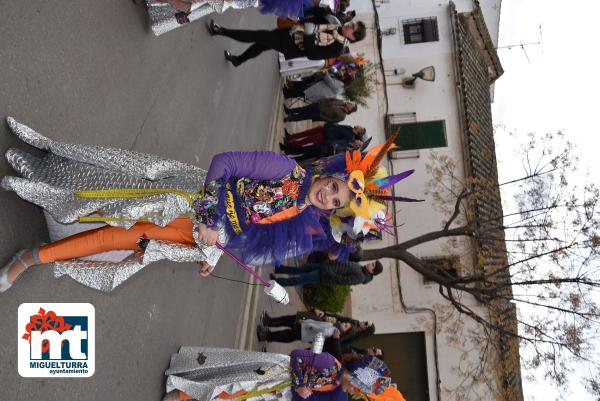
(263, 40)
(286, 336)
(310, 155)
(307, 152)
(291, 93)
(298, 88)
(282, 321)
(310, 112)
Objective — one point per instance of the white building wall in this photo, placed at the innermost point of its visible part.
(379, 301)
(408, 9)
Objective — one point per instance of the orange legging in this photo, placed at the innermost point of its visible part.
(110, 238)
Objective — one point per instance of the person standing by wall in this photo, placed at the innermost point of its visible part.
(329, 272)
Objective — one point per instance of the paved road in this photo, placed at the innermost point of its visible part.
(92, 72)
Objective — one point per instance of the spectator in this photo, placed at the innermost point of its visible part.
(329, 272)
(316, 38)
(329, 110)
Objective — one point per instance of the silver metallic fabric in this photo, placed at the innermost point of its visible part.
(162, 14)
(203, 373)
(50, 182)
(106, 276)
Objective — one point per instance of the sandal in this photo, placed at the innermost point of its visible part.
(4, 283)
(172, 396)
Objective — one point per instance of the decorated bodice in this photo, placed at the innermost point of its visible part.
(264, 198)
(251, 200)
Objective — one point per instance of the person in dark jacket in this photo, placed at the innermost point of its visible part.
(325, 141)
(331, 110)
(327, 133)
(357, 353)
(313, 314)
(329, 272)
(322, 87)
(348, 329)
(295, 89)
(339, 346)
(346, 352)
(319, 37)
(303, 330)
(326, 149)
(343, 345)
(321, 256)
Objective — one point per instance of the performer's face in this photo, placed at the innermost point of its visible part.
(328, 193)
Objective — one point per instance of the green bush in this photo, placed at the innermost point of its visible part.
(325, 297)
(363, 85)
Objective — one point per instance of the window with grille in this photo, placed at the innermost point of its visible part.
(420, 30)
(445, 266)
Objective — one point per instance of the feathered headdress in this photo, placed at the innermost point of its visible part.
(371, 188)
(369, 182)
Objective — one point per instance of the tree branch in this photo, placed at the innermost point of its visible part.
(464, 193)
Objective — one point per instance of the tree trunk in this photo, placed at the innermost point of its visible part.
(373, 254)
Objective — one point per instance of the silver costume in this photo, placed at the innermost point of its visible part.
(50, 182)
(163, 15)
(203, 373)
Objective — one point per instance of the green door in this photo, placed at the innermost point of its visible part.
(420, 135)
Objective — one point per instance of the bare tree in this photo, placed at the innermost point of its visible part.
(535, 267)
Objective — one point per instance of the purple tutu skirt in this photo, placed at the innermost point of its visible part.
(293, 9)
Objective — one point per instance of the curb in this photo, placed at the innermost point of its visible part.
(245, 327)
(276, 126)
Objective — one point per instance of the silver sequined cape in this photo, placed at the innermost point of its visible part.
(162, 15)
(50, 182)
(203, 373)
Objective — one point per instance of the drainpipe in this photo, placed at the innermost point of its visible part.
(405, 308)
(416, 310)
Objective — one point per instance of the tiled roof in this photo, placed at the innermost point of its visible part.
(477, 66)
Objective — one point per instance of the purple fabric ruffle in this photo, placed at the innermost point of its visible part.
(293, 9)
(273, 243)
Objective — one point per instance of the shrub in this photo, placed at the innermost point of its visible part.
(363, 85)
(325, 297)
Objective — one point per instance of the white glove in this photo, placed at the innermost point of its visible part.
(277, 292)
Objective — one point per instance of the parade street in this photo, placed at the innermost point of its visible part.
(92, 72)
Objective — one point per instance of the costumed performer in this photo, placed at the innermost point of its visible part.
(211, 374)
(166, 15)
(260, 205)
